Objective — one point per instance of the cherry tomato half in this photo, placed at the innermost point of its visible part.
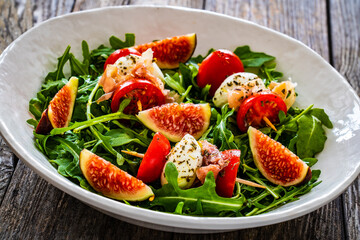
(225, 181)
(120, 53)
(154, 159)
(143, 95)
(253, 110)
(217, 67)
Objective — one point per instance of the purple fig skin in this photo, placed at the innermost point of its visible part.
(170, 52)
(61, 106)
(307, 177)
(277, 163)
(195, 115)
(44, 126)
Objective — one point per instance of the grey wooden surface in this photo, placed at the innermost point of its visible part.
(31, 208)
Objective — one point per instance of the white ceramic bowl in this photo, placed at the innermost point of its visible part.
(24, 64)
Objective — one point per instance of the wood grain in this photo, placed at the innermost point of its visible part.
(345, 35)
(84, 5)
(12, 27)
(7, 166)
(33, 209)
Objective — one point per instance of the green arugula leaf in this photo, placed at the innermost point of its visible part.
(188, 74)
(119, 137)
(200, 200)
(86, 54)
(58, 73)
(69, 146)
(36, 107)
(174, 83)
(252, 59)
(32, 122)
(322, 116)
(310, 161)
(116, 43)
(223, 137)
(78, 126)
(311, 136)
(198, 59)
(94, 126)
(62, 164)
(106, 144)
(77, 67)
(267, 71)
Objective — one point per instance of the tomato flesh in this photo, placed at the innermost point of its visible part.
(225, 181)
(120, 53)
(255, 108)
(143, 95)
(217, 67)
(154, 159)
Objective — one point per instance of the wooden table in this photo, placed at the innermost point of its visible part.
(31, 208)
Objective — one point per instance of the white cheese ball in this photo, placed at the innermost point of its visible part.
(241, 80)
(186, 155)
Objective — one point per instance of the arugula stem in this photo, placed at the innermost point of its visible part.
(283, 199)
(237, 190)
(91, 96)
(188, 199)
(302, 113)
(252, 212)
(262, 183)
(282, 128)
(85, 88)
(90, 143)
(184, 95)
(120, 159)
(104, 118)
(249, 168)
(263, 195)
(179, 208)
(78, 126)
(145, 140)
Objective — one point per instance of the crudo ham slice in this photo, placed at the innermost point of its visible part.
(130, 67)
(212, 161)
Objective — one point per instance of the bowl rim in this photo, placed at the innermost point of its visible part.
(161, 218)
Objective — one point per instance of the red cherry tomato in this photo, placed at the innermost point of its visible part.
(217, 67)
(143, 95)
(253, 110)
(225, 181)
(154, 159)
(120, 53)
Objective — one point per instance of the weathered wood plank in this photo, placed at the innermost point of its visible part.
(86, 5)
(34, 209)
(181, 3)
(12, 27)
(345, 37)
(351, 204)
(11, 23)
(43, 10)
(307, 22)
(83, 5)
(7, 166)
(302, 20)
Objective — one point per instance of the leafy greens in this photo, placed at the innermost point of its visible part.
(96, 128)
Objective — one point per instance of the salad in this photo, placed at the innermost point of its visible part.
(156, 127)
